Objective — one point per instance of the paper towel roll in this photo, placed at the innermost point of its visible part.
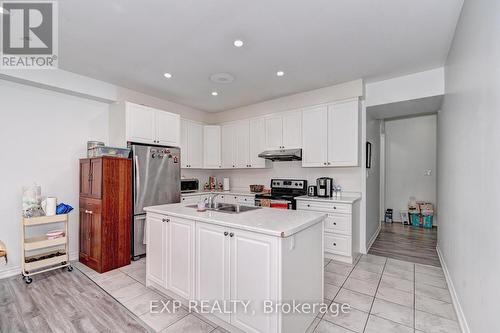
(226, 184)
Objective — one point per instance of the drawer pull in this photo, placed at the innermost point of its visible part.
(334, 223)
(226, 233)
(88, 212)
(334, 244)
(334, 207)
(166, 220)
(308, 205)
(231, 235)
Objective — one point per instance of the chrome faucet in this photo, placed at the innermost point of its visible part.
(211, 198)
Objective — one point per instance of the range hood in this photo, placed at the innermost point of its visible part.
(282, 155)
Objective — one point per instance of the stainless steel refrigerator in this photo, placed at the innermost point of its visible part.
(157, 181)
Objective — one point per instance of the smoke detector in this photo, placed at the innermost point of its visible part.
(223, 78)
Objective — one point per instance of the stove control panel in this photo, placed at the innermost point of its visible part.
(288, 183)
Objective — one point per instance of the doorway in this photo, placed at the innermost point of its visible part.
(405, 152)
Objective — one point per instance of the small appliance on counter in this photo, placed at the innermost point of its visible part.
(226, 184)
(312, 191)
(189, 185)
(324, 187)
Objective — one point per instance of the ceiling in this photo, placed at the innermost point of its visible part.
(316, 43)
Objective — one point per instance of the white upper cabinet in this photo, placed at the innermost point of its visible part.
(141, 123)
(148, 125)
(242, 144)
(227, 146)
(167, 128)
(292, 129)
(343, 135)
(191, 144)
(274, 132)
(284, 130)
(315, 136)
(257, 130)
(331, 135)
(212, 147)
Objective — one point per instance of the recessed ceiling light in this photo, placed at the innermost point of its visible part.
(280, 73)
(238, 43)
(167, 75)
(214, 93)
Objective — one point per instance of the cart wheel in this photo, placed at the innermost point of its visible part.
(70, 268)
(28, 280)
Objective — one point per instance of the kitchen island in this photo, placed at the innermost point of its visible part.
(253, 260)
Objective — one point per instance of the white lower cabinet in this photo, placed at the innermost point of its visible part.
(206, 262)
(172, 267)
(156, 240)
(212, 265)
(341, 227)
(180, 256)
(254, 276)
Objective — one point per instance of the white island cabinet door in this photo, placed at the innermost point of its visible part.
(141, 122)
(314, 137)
(343, 133)
(212, 265)
(155, 248)
(168, 127)
(254, 276)
(180, 256)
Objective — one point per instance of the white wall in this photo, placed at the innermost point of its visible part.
(373, 179)
(43, 135)
(407, 87)
(410, 150)
(469, 167)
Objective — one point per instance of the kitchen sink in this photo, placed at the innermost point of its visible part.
(229, 208)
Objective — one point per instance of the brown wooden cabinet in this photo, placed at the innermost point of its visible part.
(105, 212)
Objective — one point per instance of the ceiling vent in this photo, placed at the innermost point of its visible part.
(223, 78)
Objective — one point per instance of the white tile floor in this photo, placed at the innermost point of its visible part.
(385, 295)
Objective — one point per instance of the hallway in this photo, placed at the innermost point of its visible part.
(405, 242)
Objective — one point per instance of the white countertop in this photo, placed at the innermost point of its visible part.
(231, 192)
(270, 221)
(340, 199)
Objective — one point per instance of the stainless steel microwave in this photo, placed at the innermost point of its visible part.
(190, 185)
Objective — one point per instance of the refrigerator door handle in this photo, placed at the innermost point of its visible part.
(137, 178)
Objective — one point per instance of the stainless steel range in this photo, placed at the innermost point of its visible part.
(283, 193)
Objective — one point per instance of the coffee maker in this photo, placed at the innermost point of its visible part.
(325, 187)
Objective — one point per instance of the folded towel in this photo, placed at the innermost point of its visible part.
(3, 251)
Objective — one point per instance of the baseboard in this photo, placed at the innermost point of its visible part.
(11, 271)
(462, 321)
(374, 237)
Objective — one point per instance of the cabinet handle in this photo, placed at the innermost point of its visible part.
(308, 205)
(88, 212)
(334, 244)
(226, 233)
(89, 235)
(166, 220)
(324, 163)
(334, 207)
(334, 223)
(328, 163)
(231, 235)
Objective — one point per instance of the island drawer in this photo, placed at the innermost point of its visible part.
(324, 206)
(339, 223)
(338, 244)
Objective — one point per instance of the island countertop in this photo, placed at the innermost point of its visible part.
(269, 221)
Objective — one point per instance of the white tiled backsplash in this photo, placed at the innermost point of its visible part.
(348, 178)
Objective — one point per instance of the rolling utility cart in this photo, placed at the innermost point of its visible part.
(56, 255)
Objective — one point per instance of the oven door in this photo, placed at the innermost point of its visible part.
(281, 204)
